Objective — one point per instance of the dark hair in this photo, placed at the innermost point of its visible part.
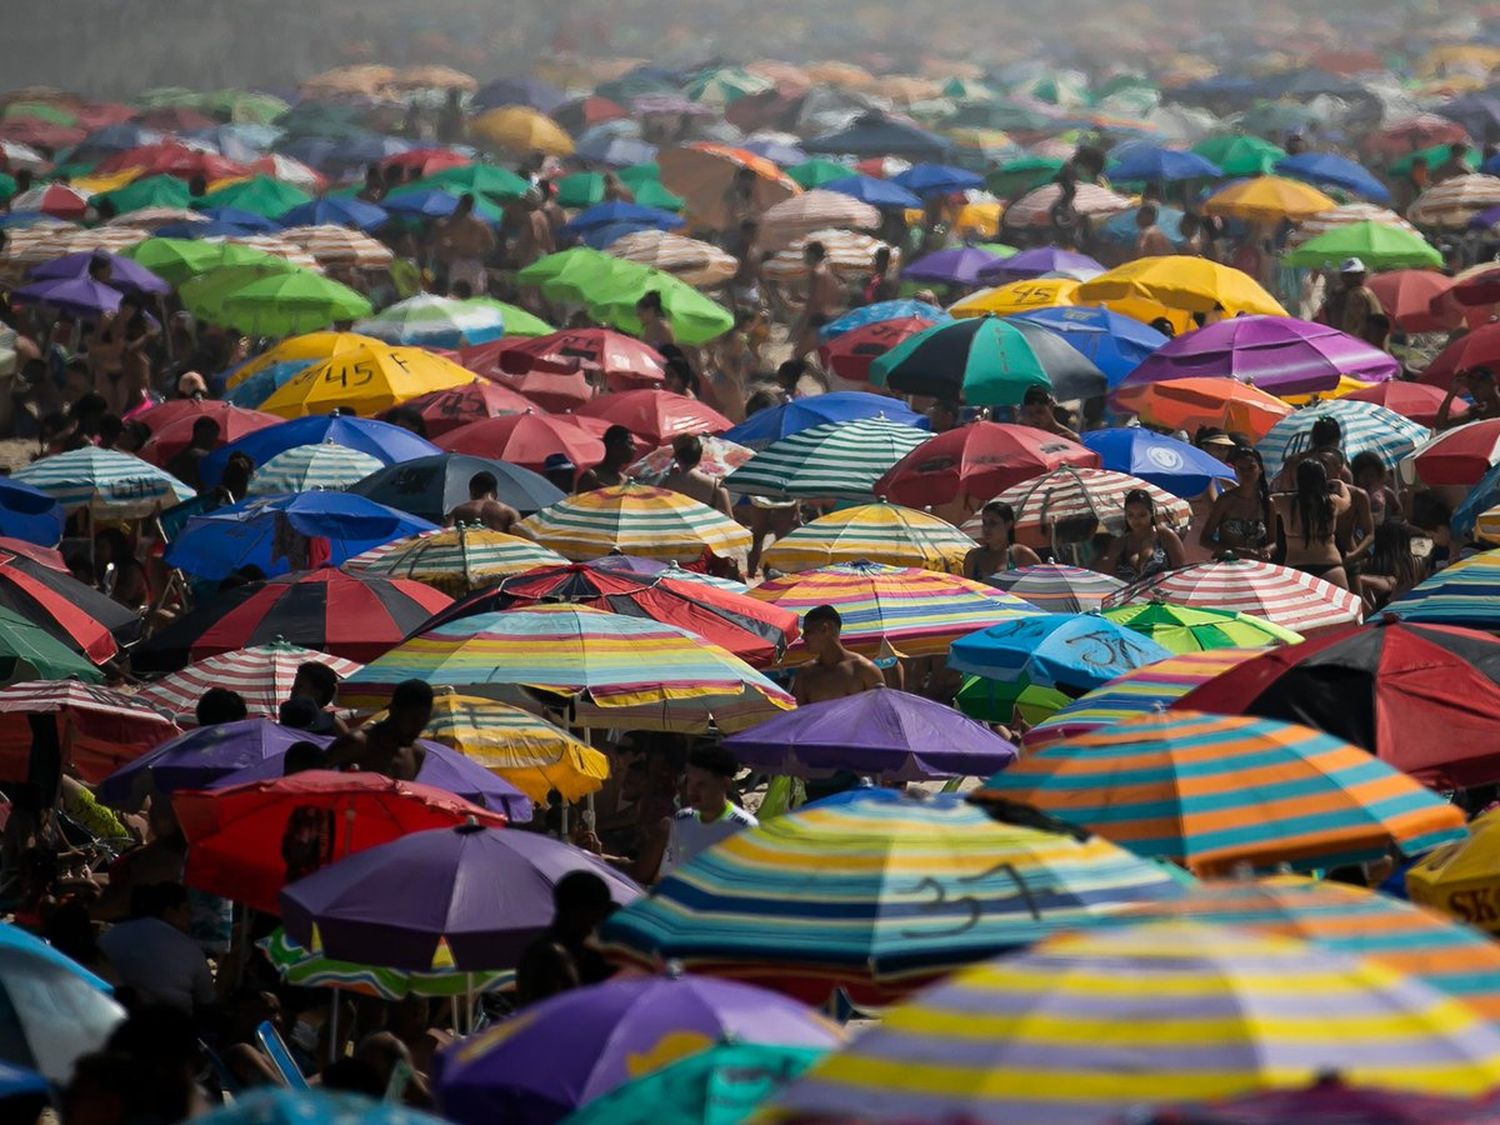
(482, 482)
(652, 301)
(1390, 554)
(220, 705)
(302, 755)
(110, 429)
(815, 250)
(353, 1076)
(579, 890)
(411, 693)
(616, 434)
(1326, 431)
(1148, 212)
(715, 759)
(1366, 460)
(687, 449)
(237, 473)
(322, 679)
(1036, 396)
(408, 418)
(1311, 504)
(206, 425)
(1429, 512)
(152, 900)
(821, 615)
(1164, 326)
(1203, 433)
(999, 508)
(1142, 497)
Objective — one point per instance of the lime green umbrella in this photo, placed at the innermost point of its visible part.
(287, 304)
(39, 111)
(7, 187)
(478, 179)
(584, 189)
(179, 260)
(1436, 156)
(695, 319)
(1181, 629)
(204, 295)
(244, 107)
(1017, 177)
(518, 322)
(582, 276)
(1240, 154)
(260, 195)
(28, 652)
(999, 249)
(152, 191)
(816, 173)
(991, 701)
(1379, 246)
(159, 96)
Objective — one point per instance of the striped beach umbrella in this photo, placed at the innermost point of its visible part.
(1213, 791)
(720, 458)
(890, 610)
(836, 461)
(1182, 629)
(1464, 593)
(434, 322)
(110, 484)
(616, 671)
(456, 560)
(881, 533)
(1366, 427)
(1056, 587)
(634, 519)
(1075, 503)
(848, 253)
(1451, 204)
(877, 894)
(1290, 598)
(98, 729)
(1086, 1025)
(340, 246)
(261, 674)
(308, 468)
(303, 968)
(700, 264)
(1034, 209)
(1346, 215)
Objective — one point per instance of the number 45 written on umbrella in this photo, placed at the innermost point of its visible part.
(967, 903)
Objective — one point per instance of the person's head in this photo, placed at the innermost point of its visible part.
(315, 681)
(813, 253)
(1140, 511)
(1326, 433)
(744, 180)
(353, 1076)
(581, 903)
(882, 260)
(1481, 383)
(821, 627)
(111, 429)
(76, 379)
(298, 713)
(680, 378)
(1249, 471)
(687, 450)
(1369, 471)
(943, 414)
(710, 770)
(411, 709)
(1146, 216)
(560, 471)
(382, 1051)
(1458, 150)
(167, 902)
(1189, 225)
(100, 268)
(1353, 273)
(71, 932)
(220, 705)
(111, 546)
(408, 418)
(649, 308)
(190, 384)
(465, 206)
(998, 521)
(237, 473)
(206, 433)
(483, 485)
(461, 290)
(789, 373)
(1037, 407)
(619, 447)
(1391, 553)
(1433, 516)
(89, 411)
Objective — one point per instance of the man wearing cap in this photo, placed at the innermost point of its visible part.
(1352, 306)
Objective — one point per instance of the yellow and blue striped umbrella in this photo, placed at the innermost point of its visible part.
(882, 533)
(878, 893)
(1088, 1026)
(1465, 593)
(634, 519)
(457, 560)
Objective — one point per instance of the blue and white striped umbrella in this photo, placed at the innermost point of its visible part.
(107, 482)
(1367, 426)
(308, 468)
(435, 322)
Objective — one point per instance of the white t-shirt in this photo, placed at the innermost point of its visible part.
(160, 962)
(690, 835)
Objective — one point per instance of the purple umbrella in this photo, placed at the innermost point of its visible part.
(484, 892)
(1278, 354)
(124, 274)
(201, 758)
(574, 1047)
(631, 564)
(76, 296)
(1045, 261)
(902, 736)
(960, 266)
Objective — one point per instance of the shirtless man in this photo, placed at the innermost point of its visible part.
(619, 451)
(390, 745)
(688, 479)
(835, 671)
(532, 238)
(482, 507)
(463, 242)
(1150, 241)
(824, 299)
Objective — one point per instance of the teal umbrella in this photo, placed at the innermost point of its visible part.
(260, 195)
(28, 652)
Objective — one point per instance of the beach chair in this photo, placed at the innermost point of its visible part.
(281, 1058)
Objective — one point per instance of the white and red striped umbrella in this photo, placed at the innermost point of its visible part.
(1452, 203)
(1325, 221)
(149, 218)
(15, 156)
(1034, 209)
(1457, 457)
(700, 264)
(262, 675)
(331, 245)
(99, 729)
(850, 254)
(1279, 594)
(280, 247)
(789, 220)
(1090, 500)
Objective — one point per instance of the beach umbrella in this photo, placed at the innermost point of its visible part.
(526, 440)
(695, 319)
(386, 443)
(623, 362)
(1459, 456)
(720, 458)
(96, 730)
(880, 310)
(1409, 298)
(1145, 164)
(772, 425)
(531, 92)
(366, 381)
(1186, 404)
(442, 411)
(820, 173)
(1459, 594)
(891, 610)
(1478, 348)
(1178, 282)
(124, 274)
(29, 514)
(580, 274)
(656, 416)
(849, 254)
(30, 652)
(1379, 246)
(338, 211)
(879, 533)
(311, 468)
(1290, 598)
(302, 968)
(937, 179)
(1268, 199)
(106, 482)
(702, 173)
(1075, 652)
(897, 736)
(340, 246)
(1459, 880)
(835, 879)
(850, 354)
(1042, 263)
(867, 189)
(1169, 982)
(146, 193)
(79, 297)
(1017, 297)
(1451, 204)
(1348, 214)
(58, 200)
(431, 487)
(585, 189)
(318, 1106)
(1240, 154)
(297, 301)
(1181, 629)
(521, 129)
(1071, 504)
(634, 519)
(615, 670)
(958, 266)
(1328, 1098)
(1366, 428)
(700, 264)
(172, 429)
(978, 461)
(434, 322)
(619, 211)
(1034, 209)
(180, 260)
(456, 560)
(837, 460)
(260, 195)
(486, 181)
(261, 674)
(1416, 401)
(1174, 466)
(1057, 588)
(84, 619)
(56, 1010)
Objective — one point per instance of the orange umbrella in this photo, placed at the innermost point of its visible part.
(1211, 401)
(702, 173)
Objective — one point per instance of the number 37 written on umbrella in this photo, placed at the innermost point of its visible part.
(969, 910)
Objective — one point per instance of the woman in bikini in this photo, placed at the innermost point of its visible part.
(1307, 522)
(1147, 547)
(997, 550)
(1240, 520)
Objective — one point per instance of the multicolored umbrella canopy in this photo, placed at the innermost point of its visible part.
(624, 1029)
(30, 652)
(302, 968)
(1213, 791)
(1290, 598)
(109, 484)
(312, 468)
(98, 730)
(1057, 588)
(1182, 629)
(617, 671)
(1113, 343)
(880, 310)
(56, 1012)
(1328, 1098)
(878, 533)
(430, 321)
(1366, 428)
(766, 427)
(878, 894)
(456, 560)
(1462, 593)
(262, 675)
(838, 461)
(634, 519)
(381, 440)
(1087, 1023)
(1074, 652)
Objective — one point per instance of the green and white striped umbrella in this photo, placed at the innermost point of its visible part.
(302, 967)
(834, 461)
(108, 483)
(304, 468)
(1367, 426)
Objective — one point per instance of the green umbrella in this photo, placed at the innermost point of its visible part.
(695, 319)
(159, 96)
(991, 701)
(1180, 629)
(180, 260)
(1017, 177)
(999, 249)
(477, 179)
(1435, 156)
(816, 173)
(73, 170)
(303, 968)
(7, 187)
(39, 111)
(285, 304)
(582, 275)
(260, 195)
(722, 1085)
(1379, 246)
(518, 322)
(584, 189)
(204, 295)
(153, 191)
(637, 174)
(726, 85)
(1240, 154)
(244, 107)
(28, 652)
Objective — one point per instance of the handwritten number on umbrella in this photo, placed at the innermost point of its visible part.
(1108, 650)
(942, 904)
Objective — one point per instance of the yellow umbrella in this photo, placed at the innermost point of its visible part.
(310, 346)
(1347, 386)
(982, 219)
(1018, 296)
(362, 78)
(1269, 199)
(879, 533)
(98, 185)
(522, 129)
(1487, 527)
(1463, 879)
(1179, 282)
(367, 381)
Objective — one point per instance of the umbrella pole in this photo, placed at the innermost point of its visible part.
(333, 1026)
(469, 1002)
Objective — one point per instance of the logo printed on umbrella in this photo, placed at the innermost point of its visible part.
(1164, 457)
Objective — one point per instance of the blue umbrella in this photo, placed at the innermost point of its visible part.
(425, 203)
(959, 266)
(1121, 229)
(337, 211)
(1116, 343)
(937, 179)
(124, 274)
(210, 229)
(381, 440)
(251, 392)
(77, 296)
(597, 238)
(18, 1082)
(116, 138)
(880, 310)
(20, 219)
(1328, 169)
(875, 192)
(760, 430)
(532, 92)
(1179, 468)
(253, 532)
(1481, 498)
(247, 220)
(29, 514)
(777, 152)
(52, 1010)
(276, 1106)
(875, 134)
(1151, 163)
(1072, 651)
(614, 150)
(368, 149)
(431, 487)
(618, 211)
(244, 142)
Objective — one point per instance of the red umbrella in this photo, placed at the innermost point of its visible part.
(102, 114)
(58, 200)
(172, 158)
(1407, 297)
(979, 461)
(50, 557)
(550, 390)
(624, 361)
(443, 411)
(170, 438)
(851, 353)
(1410, 134)
(526, 440)
(1461, 456)
(1480, 348)
(1417, 401)
(41, 134)
(175, 119)
(239, 836)
(1478, 286)
(87, 621)
(426, 161)
(656, 416)
(98, 730)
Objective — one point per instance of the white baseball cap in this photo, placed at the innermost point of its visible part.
(1353, 265)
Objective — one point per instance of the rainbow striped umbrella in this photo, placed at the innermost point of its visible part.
(1138, 692)
(1213, 791)
(882, 533)
(617, 671)
(456, 560)
(1410, 939)
(1465, 593)
(837, 460)
(1056, 587)
(303, 968)
(261, 674)
(1290, 598)
(1181, 629)
(891, 610)
(877, 894)
(1087, 1025)
(634, 519)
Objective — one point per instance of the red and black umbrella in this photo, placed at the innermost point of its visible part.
(356, 617)
(755, 631)
(850, 354)
(1424, 698)
(83, 618)
(442, 411)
